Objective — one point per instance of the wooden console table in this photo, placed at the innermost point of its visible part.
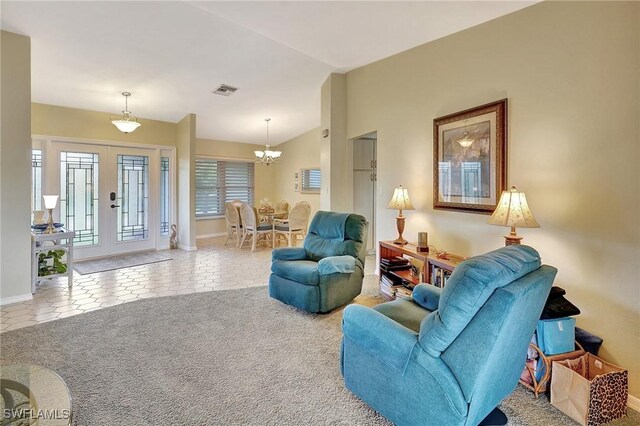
(430, 264)
(41, 242)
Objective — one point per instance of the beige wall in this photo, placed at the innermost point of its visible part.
(235, 151)
(334, 163)
(571, 73)
(300, 152)
(53, 120)
(186, 146)
(15, 167)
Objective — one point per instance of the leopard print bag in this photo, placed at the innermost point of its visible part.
(604, 384)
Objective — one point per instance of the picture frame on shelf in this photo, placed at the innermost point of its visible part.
(470, 158)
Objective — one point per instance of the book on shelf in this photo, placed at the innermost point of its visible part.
(402, 292)
(391, 278)
(439, 276)
(386, 268)
(396, 260)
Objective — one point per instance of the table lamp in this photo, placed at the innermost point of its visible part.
(513, 211)
(400, 201)
(50, 202)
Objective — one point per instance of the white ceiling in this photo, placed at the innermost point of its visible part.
(171, 54)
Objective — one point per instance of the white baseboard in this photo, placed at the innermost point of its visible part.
(633, 403)
(217, 234)
(187, 248)
(15, 299)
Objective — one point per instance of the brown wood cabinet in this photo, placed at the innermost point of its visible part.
(430, 264)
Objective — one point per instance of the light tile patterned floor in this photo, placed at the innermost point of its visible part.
(212, 267)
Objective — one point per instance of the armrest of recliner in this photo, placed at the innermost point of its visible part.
(379, 335)
(427, 296)
(289, 253)
(337, 265)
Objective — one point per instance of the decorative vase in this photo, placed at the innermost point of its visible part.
(38, 217)
(173, 239)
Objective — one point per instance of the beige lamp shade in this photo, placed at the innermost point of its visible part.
(400, 200)
(513, 211)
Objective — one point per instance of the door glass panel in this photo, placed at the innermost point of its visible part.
(133, 198)
(79, 195)
(164, 196)
(36, 179)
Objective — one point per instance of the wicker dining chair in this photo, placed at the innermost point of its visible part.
(234, 226)
(306, 226)
(296, 225)
(252, 228)
(282, 210)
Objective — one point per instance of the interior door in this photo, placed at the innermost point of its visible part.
(108, 196)
(132, 199)
(364, 184)
(77, 173)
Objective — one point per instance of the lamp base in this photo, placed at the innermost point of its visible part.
(400, 241)
(400, 225)
(512, 240)
(50, 228)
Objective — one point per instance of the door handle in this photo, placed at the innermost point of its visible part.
(113, 206)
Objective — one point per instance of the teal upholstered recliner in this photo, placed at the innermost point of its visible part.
(449, 357)
(327, 271)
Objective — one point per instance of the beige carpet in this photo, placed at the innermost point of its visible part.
(231, 357)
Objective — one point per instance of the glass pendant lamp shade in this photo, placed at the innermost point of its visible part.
(126, 126)
(125, 123)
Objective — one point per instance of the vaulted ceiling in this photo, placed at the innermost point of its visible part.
(171, 54)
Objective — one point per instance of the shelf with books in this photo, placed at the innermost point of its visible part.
(403, 267)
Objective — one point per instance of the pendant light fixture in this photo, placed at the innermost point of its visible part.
(466, 141)
(126, 123)
(267, 156)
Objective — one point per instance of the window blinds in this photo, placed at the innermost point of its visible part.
(218, 182)
(311, 180)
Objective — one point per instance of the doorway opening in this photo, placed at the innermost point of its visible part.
(364, 182)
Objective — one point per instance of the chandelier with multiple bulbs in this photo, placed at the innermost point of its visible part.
(267, 156)
(125, 123)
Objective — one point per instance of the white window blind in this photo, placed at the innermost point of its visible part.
(311, 180)
(218, 182)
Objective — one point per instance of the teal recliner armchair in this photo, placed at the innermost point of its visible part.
(450, 357)
(328, 270)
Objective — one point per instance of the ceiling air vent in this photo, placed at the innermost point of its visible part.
(225, 90)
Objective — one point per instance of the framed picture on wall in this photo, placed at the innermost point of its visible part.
(470, 158)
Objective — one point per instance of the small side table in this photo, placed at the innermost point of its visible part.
(62, 239)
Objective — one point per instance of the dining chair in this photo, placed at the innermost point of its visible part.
(282, 210)
(252, 228)
(306, 226)
(294, 226)
(234, 226)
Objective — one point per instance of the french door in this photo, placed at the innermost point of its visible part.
(109, 196)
